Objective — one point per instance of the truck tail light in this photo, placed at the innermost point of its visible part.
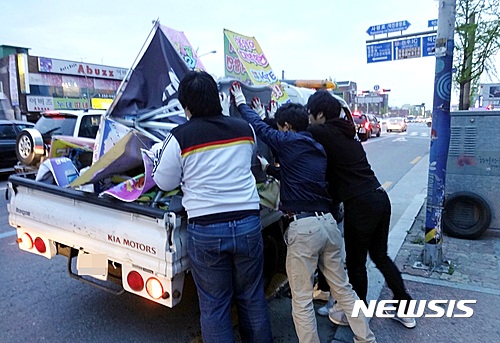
(40, 245)
(135, 281)
(26, 241)
(154, 288)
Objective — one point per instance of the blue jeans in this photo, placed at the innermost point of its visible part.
(227, 262)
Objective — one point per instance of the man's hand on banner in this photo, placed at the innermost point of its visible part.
(237, 92)
(273, 109)
(225, 103)
(259, 108)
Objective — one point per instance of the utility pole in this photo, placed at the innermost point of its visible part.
(440, 134)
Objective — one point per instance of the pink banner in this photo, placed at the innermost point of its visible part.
(131, 189)
(183, 47)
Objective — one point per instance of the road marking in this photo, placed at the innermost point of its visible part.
(7, 234)
(416, 159)
(402, 139)
(386, 184)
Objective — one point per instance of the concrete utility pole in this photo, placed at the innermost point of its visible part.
(440, 134)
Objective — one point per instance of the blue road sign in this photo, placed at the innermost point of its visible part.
(407, 48)
(390, 27)
(432, 23)
(379, 52)
(428, 45)
(376, 87)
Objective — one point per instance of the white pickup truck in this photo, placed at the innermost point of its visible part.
(126, 246)
(140, 249)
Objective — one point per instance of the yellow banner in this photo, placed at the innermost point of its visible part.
(255, 63)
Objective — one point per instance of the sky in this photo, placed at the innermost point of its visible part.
(317, 39)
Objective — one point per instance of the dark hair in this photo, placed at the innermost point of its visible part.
(198, 93)
(294, 114)
(323, 101)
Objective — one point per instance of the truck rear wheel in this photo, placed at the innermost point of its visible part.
(466, 215)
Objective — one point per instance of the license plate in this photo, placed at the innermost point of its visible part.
(95, 265)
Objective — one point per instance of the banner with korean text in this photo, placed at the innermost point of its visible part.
(181, 44)
(253, 60)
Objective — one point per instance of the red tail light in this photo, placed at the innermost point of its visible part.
(367, 125)
(135, 281)
(40, 245)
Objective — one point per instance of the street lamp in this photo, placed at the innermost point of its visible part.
(207, 53)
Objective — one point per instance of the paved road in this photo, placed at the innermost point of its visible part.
(41, 303)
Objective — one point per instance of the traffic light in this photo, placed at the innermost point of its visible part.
(365, 92)
(385, 91)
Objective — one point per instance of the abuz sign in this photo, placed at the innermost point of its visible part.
(51, 65)
(96, 71)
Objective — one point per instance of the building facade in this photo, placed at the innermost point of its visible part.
(35, 84)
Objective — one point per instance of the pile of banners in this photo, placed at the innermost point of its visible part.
(119, 165)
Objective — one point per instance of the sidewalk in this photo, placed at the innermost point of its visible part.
(471, 271)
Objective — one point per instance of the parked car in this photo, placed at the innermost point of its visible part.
(9, 129)
(33, 144)
(396, 124)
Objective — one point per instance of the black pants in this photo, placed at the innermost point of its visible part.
(366, 230)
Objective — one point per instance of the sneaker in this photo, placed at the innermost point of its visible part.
(337, 316)
(410, 323)
(323, 310)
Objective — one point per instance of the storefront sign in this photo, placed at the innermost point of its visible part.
(39, 103)
(110, 85)
(22, 65)
(70, 104)
(45, 79)
(51, 65)
(14, 94)
(101, 104)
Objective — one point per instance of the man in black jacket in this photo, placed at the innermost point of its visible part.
(367, 209)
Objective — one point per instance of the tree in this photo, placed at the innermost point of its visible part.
(478, 31)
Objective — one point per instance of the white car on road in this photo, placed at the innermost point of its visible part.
(396, 124)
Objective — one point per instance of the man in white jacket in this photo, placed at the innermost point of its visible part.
(210, 158)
